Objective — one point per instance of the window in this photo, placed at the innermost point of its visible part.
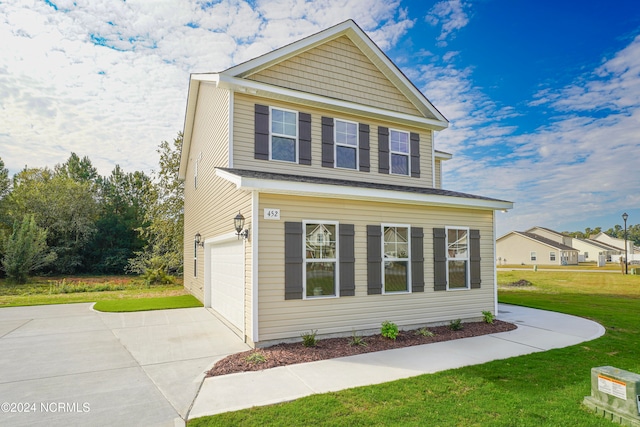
(396, 256)
(399, 152)
(586, 255)
(457, 258)
(320, 255)
(552, 256)
(533, 256)
(284, 135)
(346, 139)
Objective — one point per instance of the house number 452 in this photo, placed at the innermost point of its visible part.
(271, 213)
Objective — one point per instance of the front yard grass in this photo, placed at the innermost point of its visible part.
(146, 304)
(47, 290)
(541, 389)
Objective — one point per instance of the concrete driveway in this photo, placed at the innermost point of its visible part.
(70, 365)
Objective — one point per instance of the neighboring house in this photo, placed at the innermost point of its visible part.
(325, 150)
(590, 250)
(615, 242)
(551, 235)
(519, 247)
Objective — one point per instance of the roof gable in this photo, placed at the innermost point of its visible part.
(535, 237)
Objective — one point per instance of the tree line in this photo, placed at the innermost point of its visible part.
(69, 220)
(633, 233)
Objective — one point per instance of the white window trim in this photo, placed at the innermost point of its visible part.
(408, 259)
(533, 256)
(467, 259)
(336, 144)
(304, 258)
(272, 134)
(407, 154)
(552, 256)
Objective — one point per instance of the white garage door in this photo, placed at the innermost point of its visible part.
(227, 281)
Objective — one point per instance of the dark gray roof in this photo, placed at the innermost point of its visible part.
(358, 184)
(547, 241)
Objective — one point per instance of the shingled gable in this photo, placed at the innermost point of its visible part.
(238, 78)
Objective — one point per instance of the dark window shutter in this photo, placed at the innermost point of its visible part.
(474, 258)
(304, 137)
(417, 259)
(261, 148)
(365, 162)
(347, 261)
(414, 139)
(293, 261)
(383, 150)
(327, 142)
(439, 259)
(374, 259)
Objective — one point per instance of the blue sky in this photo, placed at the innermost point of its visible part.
(543, 96)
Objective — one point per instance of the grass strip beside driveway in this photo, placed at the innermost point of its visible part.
(146, 304)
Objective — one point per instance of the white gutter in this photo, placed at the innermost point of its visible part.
(349, 192)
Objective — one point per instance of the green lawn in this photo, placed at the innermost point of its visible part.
(41, 291)
(146, 304)
(541, 389)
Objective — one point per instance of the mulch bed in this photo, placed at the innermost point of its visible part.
(289, 354)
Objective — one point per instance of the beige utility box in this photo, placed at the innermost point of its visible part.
(615, 395)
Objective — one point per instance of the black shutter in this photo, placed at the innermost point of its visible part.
(439, 259)
(261, 147)
(374, 259)
(415, 154)
(347, 260)
(365, 162)
(417, 259)
(383, 150)
(327, 142)
(304, 134)
(293, 261)
(474, 258)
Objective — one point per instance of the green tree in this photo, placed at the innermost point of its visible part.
(122, 199)
(26, 251)
(164, 215)
(61, 205)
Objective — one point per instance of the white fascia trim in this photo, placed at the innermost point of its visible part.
(275, 92)
(441, 155)
(359, 193)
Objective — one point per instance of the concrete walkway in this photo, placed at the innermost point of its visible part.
(537, 331)
(68, 365)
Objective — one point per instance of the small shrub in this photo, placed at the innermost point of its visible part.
(256, 358)
(488, 317)
(357, 340)
(389, 330)
(456, 325)
(424, 332)
(309, 339)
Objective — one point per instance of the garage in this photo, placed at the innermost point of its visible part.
(227, 281)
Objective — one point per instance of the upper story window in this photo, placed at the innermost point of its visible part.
(346, 139)
(284, 135)
(399, 145)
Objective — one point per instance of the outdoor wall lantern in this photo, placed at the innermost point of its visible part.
(198, 239)
(238, 223)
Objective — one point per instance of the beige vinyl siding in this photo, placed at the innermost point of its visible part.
(281, 319)
(210, 209)
(438, 165)
(337, 69)
(244, 140)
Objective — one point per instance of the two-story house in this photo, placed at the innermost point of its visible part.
(321, 155)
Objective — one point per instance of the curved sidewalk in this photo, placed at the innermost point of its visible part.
(538, 330)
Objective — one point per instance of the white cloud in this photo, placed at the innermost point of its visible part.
(451, 15)
(109, 79)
